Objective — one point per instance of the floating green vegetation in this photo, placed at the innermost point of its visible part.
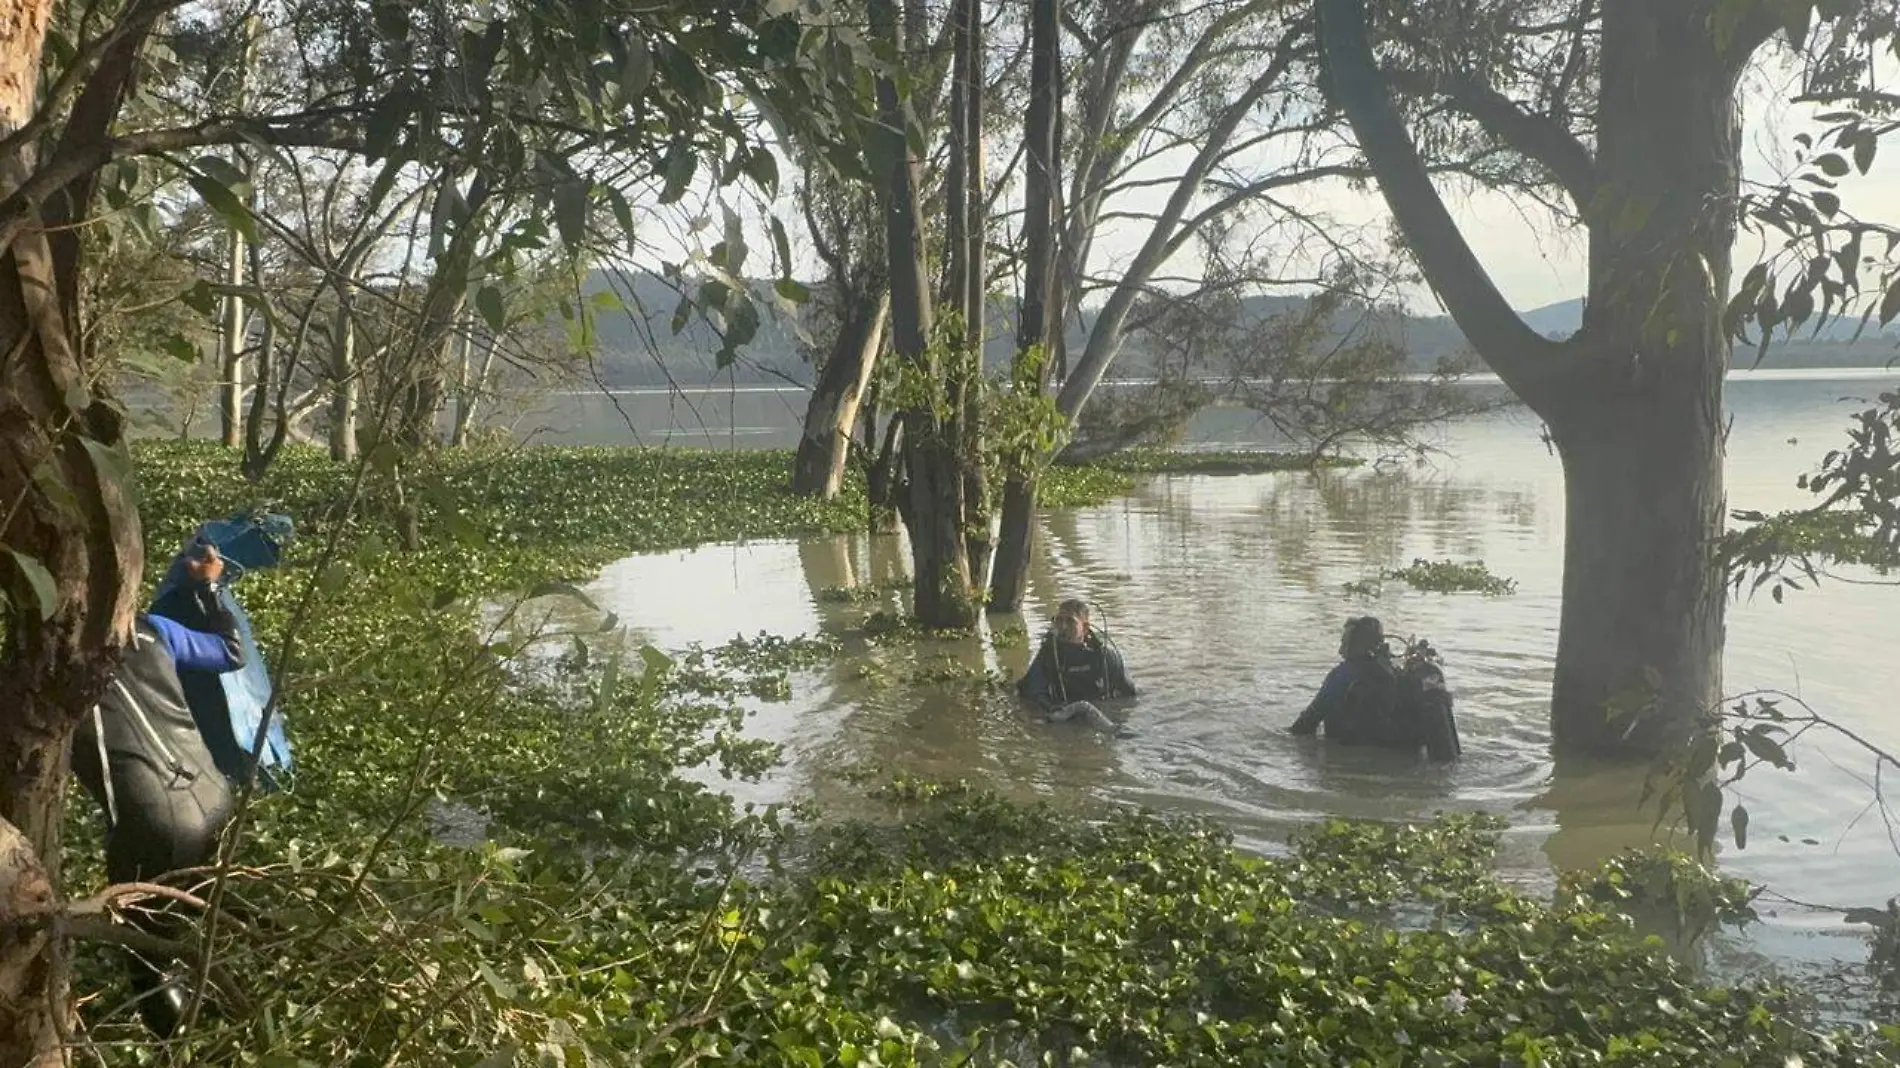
(616, 909)
(1437, 576)
(1144, 461)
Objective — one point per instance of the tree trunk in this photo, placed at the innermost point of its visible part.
(933, 502)
(231, 334)
(344, 382)
(1640, 423)
(831, 418)
(1016, 539)
(966, 233)
(442, 308)
(63, 630)
(1643, 595)
(468, 398)
(1634, 400)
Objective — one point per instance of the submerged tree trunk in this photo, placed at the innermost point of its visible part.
(831, 418)
(933, 505)
(1641, 628)
(1639, 424)
(1634, 400)
(74, 553)
(966, 233)
(1016, 538)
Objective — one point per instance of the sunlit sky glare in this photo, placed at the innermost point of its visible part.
(1534, 258)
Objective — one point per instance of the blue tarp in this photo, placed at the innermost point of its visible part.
(229, 707)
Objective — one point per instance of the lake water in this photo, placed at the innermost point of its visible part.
(1226, 595)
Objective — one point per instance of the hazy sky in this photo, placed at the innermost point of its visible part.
(1537, 260)
(1533, 257)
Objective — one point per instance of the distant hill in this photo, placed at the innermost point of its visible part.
(1565, 318)
(637, 350)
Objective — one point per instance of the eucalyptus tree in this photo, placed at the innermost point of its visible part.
(1631, 110)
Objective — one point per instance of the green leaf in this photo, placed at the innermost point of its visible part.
(39, 580)
(676, 171)
(226, 202)
(201, 298)
(623, 214)
(570, 211)
(734, 240)
(1866, 144)
(489, 303)
(381, 131)
(782, 245)
(1766, 748)
(1828, 204)
(609, 685)
(1890, 304)
(793, 290)
(1832, 165)
(502, 988)
(53, 487)
(222, 171)
(636, 74)
(111, 464)
(552, 588)
(762, 167)
(504, 1055)
(391, 20)
(180, 348)
(1738, 821)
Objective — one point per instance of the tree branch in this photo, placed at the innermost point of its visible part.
(1537, 138)
(79, 160)
(1523, 358)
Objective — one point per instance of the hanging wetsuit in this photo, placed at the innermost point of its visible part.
(1063, 672)
(140, 756)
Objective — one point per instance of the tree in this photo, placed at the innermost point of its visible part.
(616, 96)
(852, 304)
(1215, 108)
(1634, 117)
(1038, 319)
(932, 500)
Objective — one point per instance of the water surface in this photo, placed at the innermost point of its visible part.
(1226, 594)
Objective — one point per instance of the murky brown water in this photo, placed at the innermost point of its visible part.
(1225, 594)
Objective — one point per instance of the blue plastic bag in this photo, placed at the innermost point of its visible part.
(230, 706)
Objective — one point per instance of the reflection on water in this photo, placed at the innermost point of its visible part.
(1225, 594)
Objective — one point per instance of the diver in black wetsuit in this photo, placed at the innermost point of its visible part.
(140, 756)
(1075, 667)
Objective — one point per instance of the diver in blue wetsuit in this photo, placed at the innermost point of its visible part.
(140, 756)
(1367, 699)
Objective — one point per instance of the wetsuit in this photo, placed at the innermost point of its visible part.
(1063, 672)
(140, 756)
(1366, 701)
(1357, 704)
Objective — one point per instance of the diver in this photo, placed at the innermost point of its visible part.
(140, 755)
(1075, 667)
(1368, 699)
